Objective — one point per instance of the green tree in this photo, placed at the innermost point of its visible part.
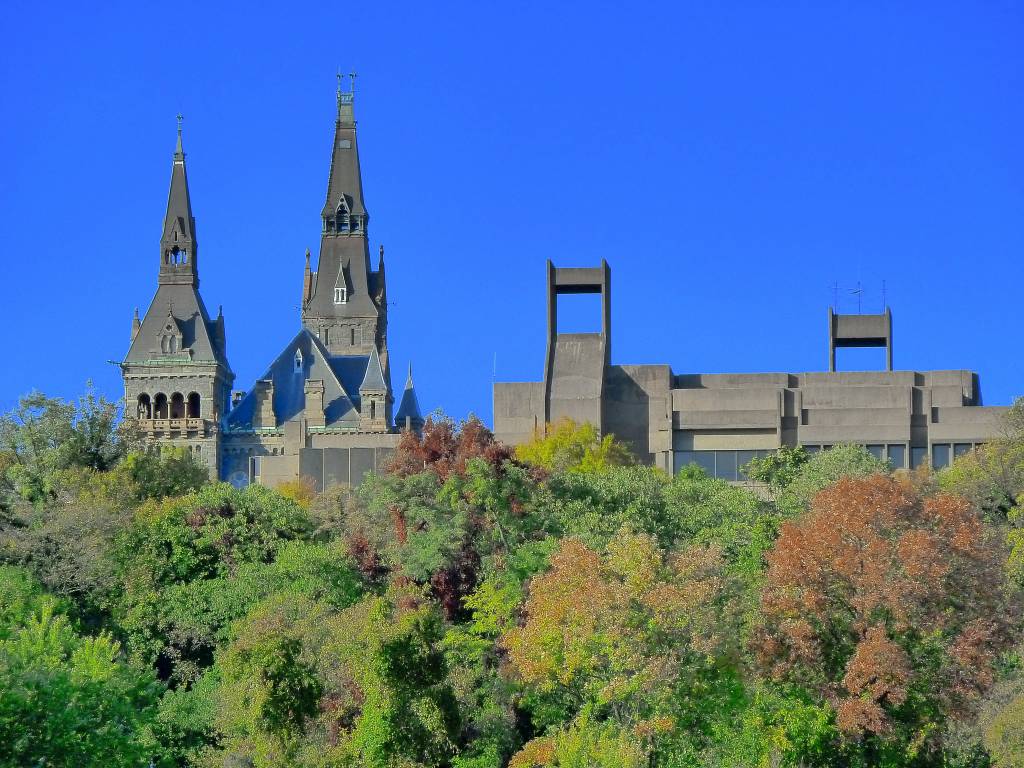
(594, 506)
(67, 699)
(778, 470)
(44, 435)
(823, 469)
(178, 563)
(172, 472)
(992, 475)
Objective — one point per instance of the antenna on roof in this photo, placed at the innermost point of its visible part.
(858, 292)
(835, 297)
(885, 305)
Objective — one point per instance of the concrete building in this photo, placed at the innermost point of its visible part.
(323, 407)
(721, 421)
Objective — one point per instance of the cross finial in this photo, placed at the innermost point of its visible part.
(178, 151)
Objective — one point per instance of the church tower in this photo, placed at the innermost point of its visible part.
(176, 374)
(344, 302)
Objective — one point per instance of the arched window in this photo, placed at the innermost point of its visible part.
(160, 406)
(342, 217)
(193, 405)
(145, 408)
(298, 361)
(177, 406)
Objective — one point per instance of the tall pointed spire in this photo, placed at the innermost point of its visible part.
(344, 210)
(178, 242)
(348, 306)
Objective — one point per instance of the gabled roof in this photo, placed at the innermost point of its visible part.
(410, 405)
(373, 380)
(289, 386)
(186, 305)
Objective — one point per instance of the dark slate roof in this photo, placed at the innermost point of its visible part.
(179, 202)
(410, 405)
(190, 313)
(340, 409)
(373, 380)
(344, 178)
(350, 370)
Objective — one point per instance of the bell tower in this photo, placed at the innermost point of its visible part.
(344, 301)
(176, 374)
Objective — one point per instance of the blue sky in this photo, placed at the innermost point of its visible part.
(731, 161)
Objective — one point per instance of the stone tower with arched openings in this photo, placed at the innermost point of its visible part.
(177, 380)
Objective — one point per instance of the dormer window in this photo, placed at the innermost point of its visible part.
(298, 361)
(341, 288)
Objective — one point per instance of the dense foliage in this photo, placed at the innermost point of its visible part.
(478, 607)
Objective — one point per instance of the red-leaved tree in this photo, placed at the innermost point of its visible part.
(888, 605)
(445, 447)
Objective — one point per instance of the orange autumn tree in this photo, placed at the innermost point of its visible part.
(889, 606)
(619, 648)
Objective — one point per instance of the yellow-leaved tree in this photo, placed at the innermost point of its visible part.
(566, 446)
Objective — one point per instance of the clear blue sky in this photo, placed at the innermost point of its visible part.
(731, 161)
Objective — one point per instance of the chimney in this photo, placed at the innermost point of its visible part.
(264, 414)
(314, 391)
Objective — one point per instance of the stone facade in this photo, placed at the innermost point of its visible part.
(323, 408)
(721, 421)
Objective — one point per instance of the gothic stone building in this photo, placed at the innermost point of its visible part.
(721, 421)
(323, 408)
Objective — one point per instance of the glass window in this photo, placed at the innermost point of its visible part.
(742, 459)
(878, 451)
(683, 459)
(917, 457)
(940, 455)
(812, 449)
(725, 465)
(961, 448)
(703, 459)
(898, 456)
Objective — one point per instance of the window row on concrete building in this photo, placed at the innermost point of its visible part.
(728, 465)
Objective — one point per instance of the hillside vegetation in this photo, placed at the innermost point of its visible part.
(480, 607)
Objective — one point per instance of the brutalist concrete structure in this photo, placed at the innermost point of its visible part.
(322, 410)
(721, 421)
